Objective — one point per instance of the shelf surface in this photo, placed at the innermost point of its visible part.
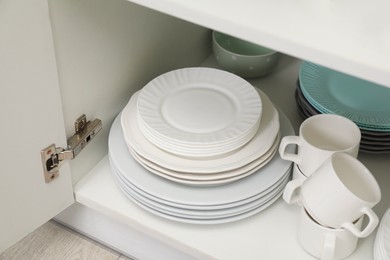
(351, 36)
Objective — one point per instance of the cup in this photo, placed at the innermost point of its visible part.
(319, 137)
(297, 173)
(324, 242)
(339, 192)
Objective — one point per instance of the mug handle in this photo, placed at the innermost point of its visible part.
(372, 223)
(329, 248)
(287, 140)
(290, 195)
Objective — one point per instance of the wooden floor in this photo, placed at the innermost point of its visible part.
(52, 241)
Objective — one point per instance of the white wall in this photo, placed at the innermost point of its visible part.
(106, 50)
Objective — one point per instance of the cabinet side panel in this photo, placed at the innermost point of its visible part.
(106, 50)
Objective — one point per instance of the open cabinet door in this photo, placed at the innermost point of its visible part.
(31, 119)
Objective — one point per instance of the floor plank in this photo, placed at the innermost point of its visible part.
(54, 241)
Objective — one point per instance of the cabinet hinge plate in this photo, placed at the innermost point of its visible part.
(53, 156)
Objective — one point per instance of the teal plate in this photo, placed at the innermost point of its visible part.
(329, 91)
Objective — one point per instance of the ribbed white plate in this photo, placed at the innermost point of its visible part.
(201, 152)
(199, 106)
(258, 145)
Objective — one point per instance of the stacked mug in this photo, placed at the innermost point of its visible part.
(335, 190)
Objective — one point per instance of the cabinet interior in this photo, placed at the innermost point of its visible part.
(107, 50)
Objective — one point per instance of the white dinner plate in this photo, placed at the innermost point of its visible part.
(209, 207)
(208, 179)
(202, 214)
(199, 106)
(212, 212)
(255, 205)
(259, 144)
(207, 221)
(207, 183)
(175, 193)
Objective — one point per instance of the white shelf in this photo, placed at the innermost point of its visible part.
(271, 234)
(351, 36)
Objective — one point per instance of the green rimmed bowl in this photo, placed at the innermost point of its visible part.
(243, 58)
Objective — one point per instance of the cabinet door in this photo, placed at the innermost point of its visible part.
(31, 119)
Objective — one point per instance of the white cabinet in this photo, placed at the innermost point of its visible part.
(64, 58)
(31, 116)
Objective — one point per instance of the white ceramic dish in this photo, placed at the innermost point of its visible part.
(237, 203)
(175, 193)
(221, 176)
(207, 183)
(202, 214)
(199, 105)
(259, 144)
(255, 205)
(206, 221)
(227, 209)
(214, 176)
(203, 152)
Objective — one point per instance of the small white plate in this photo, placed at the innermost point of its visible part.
(199, 106)
(258, 145)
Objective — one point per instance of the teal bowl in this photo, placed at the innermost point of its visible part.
(243, 58)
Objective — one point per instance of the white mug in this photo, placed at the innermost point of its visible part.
(319, 137)
(324, 242)
(339, 192)
(297, 173)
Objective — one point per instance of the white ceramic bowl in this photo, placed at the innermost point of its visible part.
(243, 58)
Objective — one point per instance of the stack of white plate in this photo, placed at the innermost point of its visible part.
(196, 204)
(199, 145)
(211, 170)
(382, 239)
(198, 112)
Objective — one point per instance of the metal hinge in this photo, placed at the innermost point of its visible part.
(53, 156)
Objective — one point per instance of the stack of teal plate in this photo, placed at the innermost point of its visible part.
(322, 90)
